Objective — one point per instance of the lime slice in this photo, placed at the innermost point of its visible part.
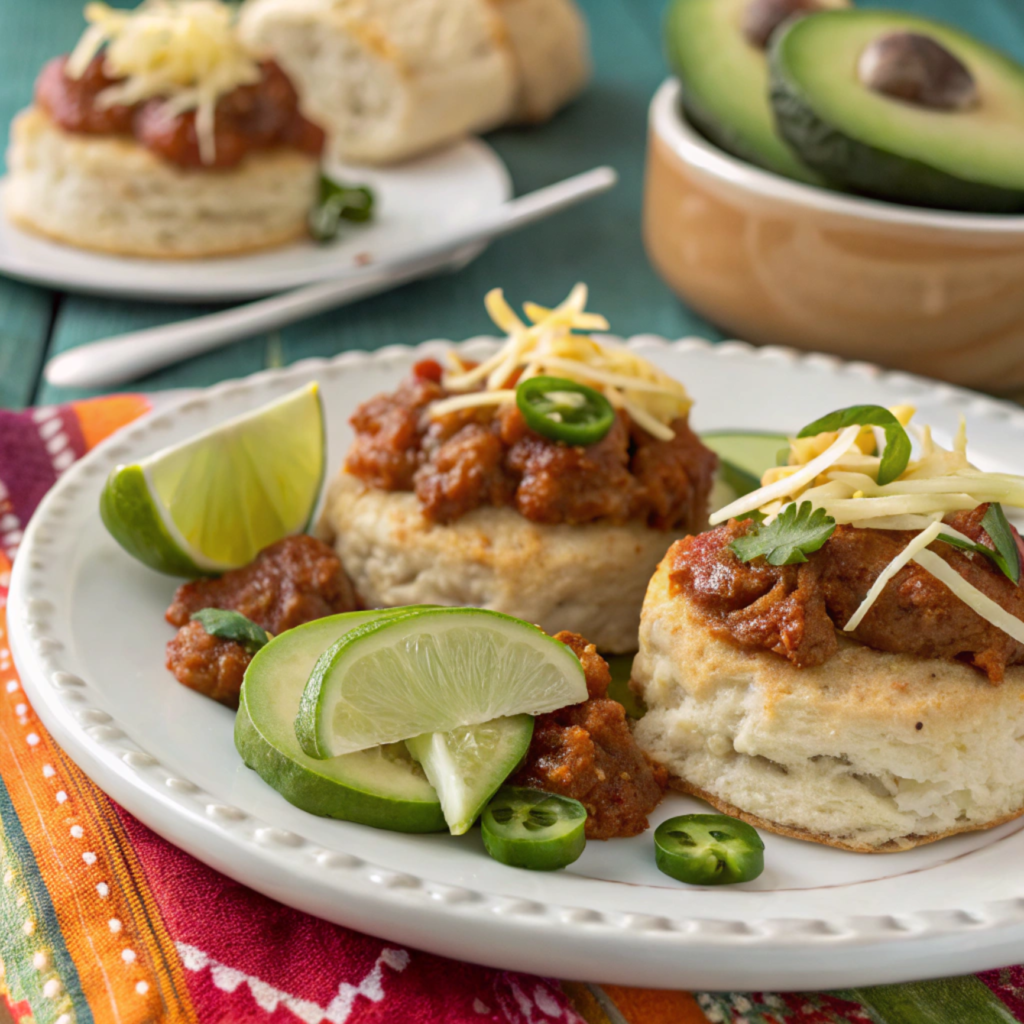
(432, 671)
(468, 765)
(382, 786)
(213, 503)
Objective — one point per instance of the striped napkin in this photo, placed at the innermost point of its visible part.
(103, 921)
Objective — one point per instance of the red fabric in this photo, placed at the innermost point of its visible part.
(249, 959)
(146, 931)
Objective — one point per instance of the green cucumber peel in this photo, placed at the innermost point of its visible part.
(381, 787)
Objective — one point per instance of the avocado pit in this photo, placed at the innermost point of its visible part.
(762, 17)
(914, 68)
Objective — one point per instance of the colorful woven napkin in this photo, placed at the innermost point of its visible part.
(102, 921)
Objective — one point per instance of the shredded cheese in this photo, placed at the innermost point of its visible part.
(858, 510)
(552, 342)
(184, 52)
(837, 473)
(970, 595)
(790, 485)
(475, 400)
(907, 522)
(919, 543)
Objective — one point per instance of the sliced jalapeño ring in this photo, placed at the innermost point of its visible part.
(528, 828)
(708, 849)
(563, 410)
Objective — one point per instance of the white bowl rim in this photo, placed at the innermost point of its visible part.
(668, 125)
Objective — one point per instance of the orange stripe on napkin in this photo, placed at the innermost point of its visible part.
(585, 1003)
(105, 915)
(655, 1006)
(151, 938)
(100, 417)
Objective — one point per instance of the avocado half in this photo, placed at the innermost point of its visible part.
(863, 141)
(725, 82)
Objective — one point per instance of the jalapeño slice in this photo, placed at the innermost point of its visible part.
(563, 410)
(527, 828)
(708, 849)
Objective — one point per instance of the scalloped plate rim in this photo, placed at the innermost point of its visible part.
(538, 934)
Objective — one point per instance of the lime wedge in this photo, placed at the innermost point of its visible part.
(382, 787)
(432, 671)
(213, 503)
(468, 765)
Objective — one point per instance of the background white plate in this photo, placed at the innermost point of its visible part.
(415, 201)
(88, 636)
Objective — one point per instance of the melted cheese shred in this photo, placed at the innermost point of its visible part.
(970, 595)
(792, 483)
(185, 52)
(919, 543)
(556, 342)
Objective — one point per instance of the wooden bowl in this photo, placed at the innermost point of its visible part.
(777, 262)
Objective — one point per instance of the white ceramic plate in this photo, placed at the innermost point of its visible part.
(88, 635)
(415, 202)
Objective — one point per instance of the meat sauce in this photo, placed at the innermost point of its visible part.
(795, 610)
(474, 458)
(587, 752)
(292, 582)
(252, 117)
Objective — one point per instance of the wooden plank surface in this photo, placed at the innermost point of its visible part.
(25, 315)
(599, 243)
(26, 37)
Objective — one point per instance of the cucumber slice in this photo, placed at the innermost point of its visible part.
(467, 766)
(744, 456)
(621, 668)
(382, 786)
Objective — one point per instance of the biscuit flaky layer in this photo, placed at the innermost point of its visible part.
(586, 579)
(872, 752)
(110, 194)
(893, 846)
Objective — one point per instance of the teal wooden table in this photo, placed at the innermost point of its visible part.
(598, 243)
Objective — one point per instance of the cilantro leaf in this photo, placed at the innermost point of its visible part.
(789, 538)
(897, 444)
(230, 625)
(1006, 554)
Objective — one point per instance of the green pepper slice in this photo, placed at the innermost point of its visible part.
(708, 849)
(563, 410)
(527, 828)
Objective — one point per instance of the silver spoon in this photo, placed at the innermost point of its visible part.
(112, 361)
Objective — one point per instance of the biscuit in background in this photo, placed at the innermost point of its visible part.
(390, 79)
(108, 193)
(552, 48)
